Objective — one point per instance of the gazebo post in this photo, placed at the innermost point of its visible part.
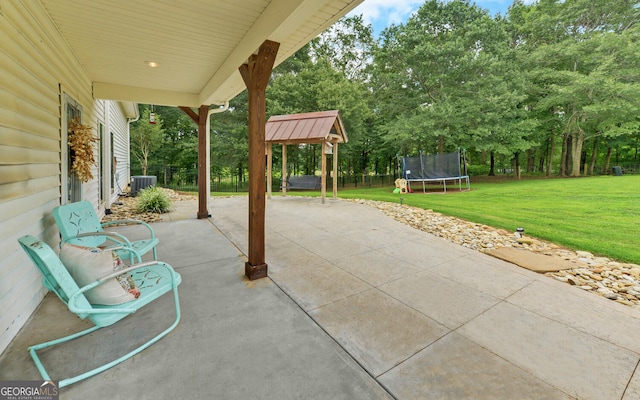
(335, 169)
(284, 170)
(256, 75)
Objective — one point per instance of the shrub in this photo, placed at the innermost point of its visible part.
(477, 170)
(152, 199)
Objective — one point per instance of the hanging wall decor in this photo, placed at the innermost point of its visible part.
(80, 142)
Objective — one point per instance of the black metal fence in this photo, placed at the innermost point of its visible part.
(186, 179)
(234, 185)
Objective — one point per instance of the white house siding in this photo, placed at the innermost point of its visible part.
(120, 128)
(37, 68)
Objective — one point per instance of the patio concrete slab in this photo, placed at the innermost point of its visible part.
(556, 301)
(423, 253)
(314, 286)
(457, 368)
(577, 363)
(374, 267)
(633, 390)
(446, 301)
(236, 340)
(485, 274)
(540, 345)
(392, 312)
(379, 331)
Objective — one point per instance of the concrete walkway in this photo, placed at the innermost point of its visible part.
(357, 306)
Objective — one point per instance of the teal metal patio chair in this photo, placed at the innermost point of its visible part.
(78, 224)
(153, 279)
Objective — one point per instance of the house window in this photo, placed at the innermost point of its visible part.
(74, 185)
(101, 162)
(114, 166)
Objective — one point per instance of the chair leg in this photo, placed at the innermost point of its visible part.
(34, 348)
(95, 371)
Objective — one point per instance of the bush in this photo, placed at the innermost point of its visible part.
(477, 170)
(153, 199)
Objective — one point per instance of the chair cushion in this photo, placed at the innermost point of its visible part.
(87, 264)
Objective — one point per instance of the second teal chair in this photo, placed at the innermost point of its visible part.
(78, 224)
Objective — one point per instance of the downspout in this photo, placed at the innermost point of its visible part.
(113, 172)
(224, 107)
(129, 121)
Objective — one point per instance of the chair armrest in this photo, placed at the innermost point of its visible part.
(130, 222)
(108, 277)
(113, 236)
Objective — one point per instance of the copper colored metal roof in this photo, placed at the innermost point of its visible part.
(314, 127)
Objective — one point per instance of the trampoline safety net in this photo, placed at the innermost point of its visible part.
(432, 166)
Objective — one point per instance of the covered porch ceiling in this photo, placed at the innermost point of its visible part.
(198, 45)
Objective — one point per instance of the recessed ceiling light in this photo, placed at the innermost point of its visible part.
(152, 64)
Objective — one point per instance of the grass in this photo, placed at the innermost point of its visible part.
(596, 214)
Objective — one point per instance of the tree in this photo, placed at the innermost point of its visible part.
(145, 138)
(566, 46)
(347, 45)
(446, 79)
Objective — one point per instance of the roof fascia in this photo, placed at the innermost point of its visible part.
(108, 91)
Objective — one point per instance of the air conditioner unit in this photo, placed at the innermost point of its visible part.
(142, 182)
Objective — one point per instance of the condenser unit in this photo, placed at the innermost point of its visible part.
(142, 182)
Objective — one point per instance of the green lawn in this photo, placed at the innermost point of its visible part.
(596, 214)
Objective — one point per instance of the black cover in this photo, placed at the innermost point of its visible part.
(431, 166)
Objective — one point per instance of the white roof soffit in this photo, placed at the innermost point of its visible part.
(198, 44)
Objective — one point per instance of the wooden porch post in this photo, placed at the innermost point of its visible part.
(269, 169)
(201, 120)
(256, 75)
(202, 162)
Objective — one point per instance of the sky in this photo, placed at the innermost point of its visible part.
(383, 13)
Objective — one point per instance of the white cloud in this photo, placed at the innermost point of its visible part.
(382, 13)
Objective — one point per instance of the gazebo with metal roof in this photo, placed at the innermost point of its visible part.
(323, 127)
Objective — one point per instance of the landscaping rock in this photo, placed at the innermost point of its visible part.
(600, 275)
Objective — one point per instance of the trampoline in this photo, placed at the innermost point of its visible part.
(436, 168)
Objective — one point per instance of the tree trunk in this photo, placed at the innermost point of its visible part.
(441, 145)
(541, 164)
(492, 165)
(577, 141)
(164, 170)
(594, 154)
(566, 139)
(516, 165)
(531, 161)
(607, 159)
(552, 142)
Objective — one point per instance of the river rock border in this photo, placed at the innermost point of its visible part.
(611, 279)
